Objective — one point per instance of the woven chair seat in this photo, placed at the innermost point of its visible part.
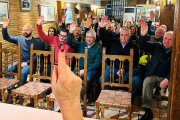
(32, 88)
(51, 97)
(6, 83)
(115, 99)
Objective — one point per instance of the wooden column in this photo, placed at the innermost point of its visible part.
(174, 86)
(167, 14)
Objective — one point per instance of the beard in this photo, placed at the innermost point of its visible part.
(26, 35)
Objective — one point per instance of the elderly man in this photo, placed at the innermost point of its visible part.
(153, 32)
(158, 69)
(26, 42)
(121, 47)
(77, 34)
(159, 33)
(94, 53)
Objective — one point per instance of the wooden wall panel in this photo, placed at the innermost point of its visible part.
(132, 2)
(174, 86)
(167, 14)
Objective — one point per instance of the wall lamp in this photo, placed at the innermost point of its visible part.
(168, 3)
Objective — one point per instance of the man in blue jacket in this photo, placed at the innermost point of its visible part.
(158, 69)
(26, 42)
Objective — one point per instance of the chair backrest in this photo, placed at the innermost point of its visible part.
(10, 56)
(121, 59)
(79, 56)
(39, 54)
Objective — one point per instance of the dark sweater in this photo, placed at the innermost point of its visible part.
(159, 55)
(115, 48)
(25, 45)
(94, 53)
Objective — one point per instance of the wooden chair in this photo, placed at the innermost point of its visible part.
(32, 89)
(10, 56)
(112, 98)
(50, 98)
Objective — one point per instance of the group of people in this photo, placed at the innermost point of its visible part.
(97, 33)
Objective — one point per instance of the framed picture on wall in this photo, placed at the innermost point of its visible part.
(100, 12)
(48, 12)
(25, 5)
(4, 11)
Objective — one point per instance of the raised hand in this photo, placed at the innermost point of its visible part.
(85, 14)
(144, 29)
(89, 22)
(60, 23)
(89, 14)
(132, 19)
(83, 22)
(64, 18)
(78, 16)
(108, 24)
(40, 20)
(118, 26)
(104, 21)
(94, 21)
(5, 23)
(66, 87)
(72, 27)
(143, 17)
(152, 15)
(140, 21)
(97, 19)
(55, 18)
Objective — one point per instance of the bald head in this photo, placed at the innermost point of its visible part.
(27, 31)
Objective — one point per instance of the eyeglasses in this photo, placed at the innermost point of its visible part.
(87, 37)
(124, 35)
(62, 36)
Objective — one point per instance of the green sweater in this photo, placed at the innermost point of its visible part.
(153, 39)
(94, 53)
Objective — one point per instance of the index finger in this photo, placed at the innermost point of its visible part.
(61, 63)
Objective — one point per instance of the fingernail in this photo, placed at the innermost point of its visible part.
(62, 50)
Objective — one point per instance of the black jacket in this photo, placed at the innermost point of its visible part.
(114, 47)
(158, 53)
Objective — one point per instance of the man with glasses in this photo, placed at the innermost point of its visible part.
(94, 53)
(158, 69)
(54, 40)
(120, 46)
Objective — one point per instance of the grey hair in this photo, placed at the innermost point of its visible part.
(91, 32)
(164, 26)
(161, 29)
(127, 30)
(171, 32)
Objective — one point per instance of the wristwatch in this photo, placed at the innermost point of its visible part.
(28, 62)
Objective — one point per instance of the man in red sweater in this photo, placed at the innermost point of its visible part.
(54, 40)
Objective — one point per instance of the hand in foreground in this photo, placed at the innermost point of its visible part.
(40, 20)
(60, 23)
(89, 14)
(66, 87)
(108, 24)
(144, 29)
(72, 27)
(6, 23)
(164, 83)
(140, 21)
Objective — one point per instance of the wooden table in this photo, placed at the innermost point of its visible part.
(15, 112)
